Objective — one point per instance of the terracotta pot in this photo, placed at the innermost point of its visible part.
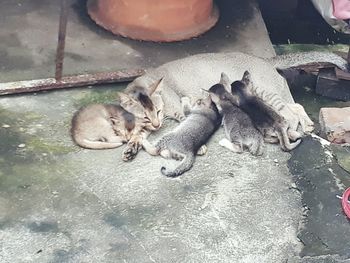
(155, 20)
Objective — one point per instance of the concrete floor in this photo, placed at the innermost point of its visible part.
(60, 203)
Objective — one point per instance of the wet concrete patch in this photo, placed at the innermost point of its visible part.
(313, 102)
(43, 226)
(325, 229)
(114, 220)
(11, 62)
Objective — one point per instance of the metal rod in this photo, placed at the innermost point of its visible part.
(61, 40)
(68, 81)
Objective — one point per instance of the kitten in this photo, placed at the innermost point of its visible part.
(189, 137)
(265, 118)
(239, 129)
(146, 104)
(104, 126)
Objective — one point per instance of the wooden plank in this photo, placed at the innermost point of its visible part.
(342, 74)
(314, 68)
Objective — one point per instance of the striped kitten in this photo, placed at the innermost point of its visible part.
(104, 126)
(188, 138)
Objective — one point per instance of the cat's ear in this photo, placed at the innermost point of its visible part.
(205, 91)
(115, 121)
(156, 87)
(246, 79)
(208, 100)
(225, 81)
(125, 99)
(212, 96)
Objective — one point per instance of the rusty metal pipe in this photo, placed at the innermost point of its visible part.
(60, 82)
(61, 40)
(68, 82)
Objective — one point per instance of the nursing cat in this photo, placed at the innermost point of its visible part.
(239, 128)
(188, 138)
(184, 78)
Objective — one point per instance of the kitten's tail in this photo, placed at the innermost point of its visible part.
(98, 145)
(303, 58)
(184, 166)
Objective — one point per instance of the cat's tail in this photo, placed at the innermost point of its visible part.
(184, 166)
(303, 58)
(286, 145)
(98, 145)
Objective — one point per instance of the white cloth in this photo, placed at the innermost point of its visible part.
(325, 8)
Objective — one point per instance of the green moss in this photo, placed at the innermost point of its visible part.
(343, 156)
(32, 116)
(293, 48)
(38, 145)
(10, 137)
(96, 96)
(16, 134)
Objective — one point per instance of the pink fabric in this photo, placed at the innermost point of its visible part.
(341, 9)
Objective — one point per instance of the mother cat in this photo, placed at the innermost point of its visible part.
(185, 78)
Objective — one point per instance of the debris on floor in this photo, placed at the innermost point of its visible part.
(335, 124)
(333, 83)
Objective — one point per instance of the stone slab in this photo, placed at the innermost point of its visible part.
(335, 124)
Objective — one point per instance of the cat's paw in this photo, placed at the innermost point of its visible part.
(308, 126)
(231, 146)
(179, 117)
(131, 150)
(185, 101)
(203, 150)
(294, 135)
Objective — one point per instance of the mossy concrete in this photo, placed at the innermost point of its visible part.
(62, 203)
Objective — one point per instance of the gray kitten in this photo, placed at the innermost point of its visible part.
(266, 119)
(239, 128)
(189, 137)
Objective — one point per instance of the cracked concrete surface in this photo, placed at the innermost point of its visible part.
(60, 203)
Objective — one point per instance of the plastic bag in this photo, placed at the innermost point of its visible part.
(329, 8)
